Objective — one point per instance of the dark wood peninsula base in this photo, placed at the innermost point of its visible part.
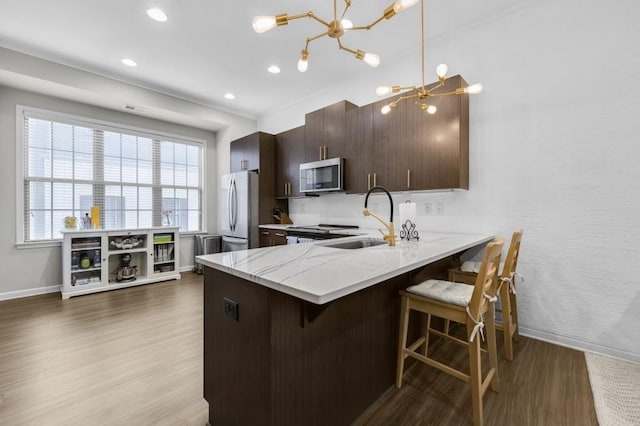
(286, 361)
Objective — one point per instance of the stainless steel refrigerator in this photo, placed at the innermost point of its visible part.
(239, 211)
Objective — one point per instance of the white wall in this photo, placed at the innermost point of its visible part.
(553, 150)
(33, 270)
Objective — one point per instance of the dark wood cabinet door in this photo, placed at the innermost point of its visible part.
(252, 145)
(335, 129)
(236, 155)
(257, 152)
(326, 132)
(314, 136)
(245, 152)
(290, 151)
(390, 155)
(359, 149)
(439, 149)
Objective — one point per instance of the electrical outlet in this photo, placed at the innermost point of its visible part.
(428, 208)
(231, 309)
(439, 208)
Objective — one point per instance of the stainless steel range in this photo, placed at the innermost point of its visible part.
(303, 234)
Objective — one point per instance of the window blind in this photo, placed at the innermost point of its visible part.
(137, 180)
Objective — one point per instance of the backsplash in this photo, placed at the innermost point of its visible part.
(450, 211)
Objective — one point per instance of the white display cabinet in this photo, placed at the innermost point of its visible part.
(101, 260)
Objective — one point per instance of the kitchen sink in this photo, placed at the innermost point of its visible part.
(356, 244)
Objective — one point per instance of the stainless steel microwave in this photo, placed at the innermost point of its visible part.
(322, 176)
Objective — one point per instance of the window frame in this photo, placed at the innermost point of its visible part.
(23, 112)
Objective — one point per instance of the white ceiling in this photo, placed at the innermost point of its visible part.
(208, 48)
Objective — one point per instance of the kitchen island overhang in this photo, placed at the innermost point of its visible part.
(320, 274)
(314, 339)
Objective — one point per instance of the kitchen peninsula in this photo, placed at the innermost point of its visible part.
(307, 333)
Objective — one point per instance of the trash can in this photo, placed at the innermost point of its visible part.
(205, 244)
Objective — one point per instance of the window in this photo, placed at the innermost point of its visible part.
(136, 179)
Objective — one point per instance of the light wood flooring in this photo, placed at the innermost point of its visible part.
(134, 357)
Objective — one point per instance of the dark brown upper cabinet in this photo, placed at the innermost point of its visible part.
(245, 152)
(289, 154)
(376, 148)
(257, 151)
(389, 146)
(325, 132)
(359, 150)
(438, 151)
(409, 149)
(405, 150)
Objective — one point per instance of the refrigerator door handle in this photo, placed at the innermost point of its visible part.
(229, 204)
(234, 205)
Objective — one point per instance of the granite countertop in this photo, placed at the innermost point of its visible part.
(320, 274)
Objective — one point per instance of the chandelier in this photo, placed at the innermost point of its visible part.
(422, 93)
(335, 29)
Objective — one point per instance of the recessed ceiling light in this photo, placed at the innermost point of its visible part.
(157, 14)
(129, 62)
(274, 69)
(229, 96)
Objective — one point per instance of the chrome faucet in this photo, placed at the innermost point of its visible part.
(391, 236)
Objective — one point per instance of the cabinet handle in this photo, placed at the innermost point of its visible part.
(285, 188)
(408, 178)
(325, 152)
(320, 152)
(279, 235)
(369, 182)
(375, 180)
(289, 188)
(265, 232)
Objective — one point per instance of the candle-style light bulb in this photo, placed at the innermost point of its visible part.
(383, 90)
(386, 109)
(303, 63)
(371, 59)
(474, 89)
(441, 70)
(401, 5)
(263, 23)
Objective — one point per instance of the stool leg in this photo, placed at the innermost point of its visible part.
(426, 335)
(514, 316)
(475, 373)
(491, 343)
(507, 324)
(402, 343)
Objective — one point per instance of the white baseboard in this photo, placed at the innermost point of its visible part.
(17, 294)
(579, 345)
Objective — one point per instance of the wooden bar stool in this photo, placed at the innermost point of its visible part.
(506, 292)
(464, 304)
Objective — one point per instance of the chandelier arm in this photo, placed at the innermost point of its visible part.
(367, 27)
(309, 39)
(403, 97)
(344, 12)
(345, 48)
(301, 15)
(312, 16)
(454, 92)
